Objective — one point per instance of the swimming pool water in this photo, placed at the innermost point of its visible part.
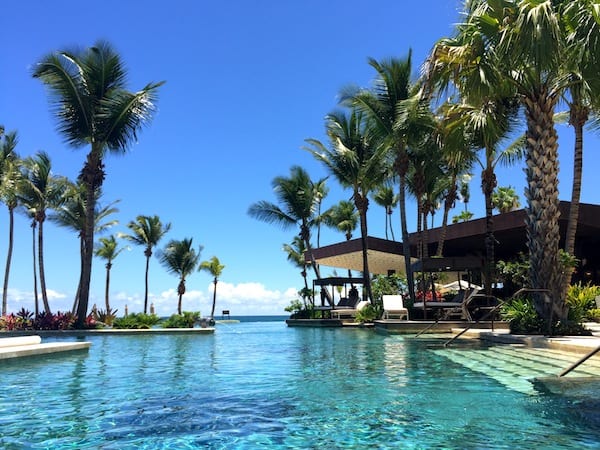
(264, 385)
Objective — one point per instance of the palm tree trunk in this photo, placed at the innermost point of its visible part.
(76, 300)
(178, 305)
(41, 267)
(402, 168)
(212, 312)
(11, 226)
(362, 204)
(578, 118)
(35, 283)
(488, 183)
(107, 287)
(542, 210)
(148, 255)
(448, 202)
(92, 176)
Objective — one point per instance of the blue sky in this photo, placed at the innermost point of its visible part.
(246, 83)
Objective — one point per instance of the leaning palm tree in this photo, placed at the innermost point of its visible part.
(39, 191)
(181, 259)
(71, 215)
(299, 199)
(357, 159)
(94, 109)
(343, 217)
(9, 181)
(147, 231)
(215, 268)
(108, 250)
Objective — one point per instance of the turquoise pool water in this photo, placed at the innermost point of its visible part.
(264, 385)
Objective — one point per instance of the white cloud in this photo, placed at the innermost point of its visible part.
(240, 299)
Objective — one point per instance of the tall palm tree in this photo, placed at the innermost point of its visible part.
(398, 116)
(147, 231)
(40, 191)
(581, 25)
(357, 160)
(519, 48)
(71, 215)
(181, 259)
(215, 268)
(385, 197)
(299, 200)
(505, 199)
(9, 182)
(94, 109)
(108, 250)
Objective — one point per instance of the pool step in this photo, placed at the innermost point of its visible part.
(18, 347)
(516, 366)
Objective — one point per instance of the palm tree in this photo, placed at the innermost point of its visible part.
(94, 109)
(40, 191)
(299, 198)
(399, 117)
(9, 181)
(579, 18)
(108, 250)
(295, 254)
(358, 161)
(215, 268)
(464, 216)
(384, 196)
(71, 215)
(521, 49)
(147, 232)
(179, 258)
(505, 199)
(343, 217)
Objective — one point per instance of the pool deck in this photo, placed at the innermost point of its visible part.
(107, 331)
(18, 347)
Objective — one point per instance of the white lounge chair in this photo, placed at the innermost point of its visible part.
(393, 306)
(348, 312)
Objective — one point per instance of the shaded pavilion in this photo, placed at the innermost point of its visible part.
(468, 239)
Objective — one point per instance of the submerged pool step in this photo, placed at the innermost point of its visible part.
(515, 367)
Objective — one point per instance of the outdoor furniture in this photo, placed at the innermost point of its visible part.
(348, 312)
(393, 306)
(454, 309)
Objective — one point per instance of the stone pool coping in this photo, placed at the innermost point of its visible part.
(107, 331)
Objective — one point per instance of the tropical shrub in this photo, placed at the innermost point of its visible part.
(593, 315)
(185, 320)
(388, 284)
(105, 317)
(522, 317)
(136, 321)
(580, 300)
(369, 313)
(513, 274)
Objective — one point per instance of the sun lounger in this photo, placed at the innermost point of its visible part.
(348, 312)
(393, 306)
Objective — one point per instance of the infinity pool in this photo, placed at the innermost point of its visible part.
(264, 385)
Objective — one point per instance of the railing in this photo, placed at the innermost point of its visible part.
(493, 310)
(484, 317)
(578, 363)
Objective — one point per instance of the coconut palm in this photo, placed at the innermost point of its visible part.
(94, 109)
(356, 158)
(181, 259)
(519, 48)
(464, 216)
(295, 254)
(215, 268)
(299, 198)
(108, 250)
(71, 215)
(147, 231)
(581, 25)
(505, 199)
(343, 217)
(9, 182)
(384, 196)
(40, 191)
(399, 117)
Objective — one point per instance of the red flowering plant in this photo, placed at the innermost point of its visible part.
(428, 296)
